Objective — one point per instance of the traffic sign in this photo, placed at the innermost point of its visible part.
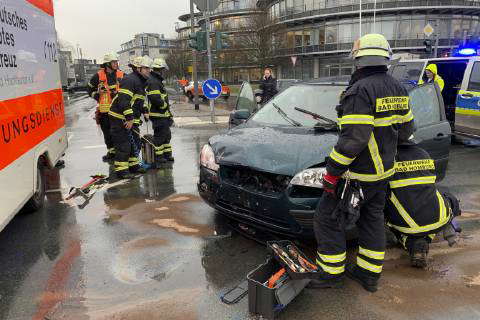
(428, 30)
(212, 89)
(203, 5)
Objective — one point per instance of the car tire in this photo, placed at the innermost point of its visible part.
(37, 201)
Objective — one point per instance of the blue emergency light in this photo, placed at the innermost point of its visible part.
(467, 52)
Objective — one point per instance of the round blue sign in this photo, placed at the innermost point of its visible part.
(212, 89)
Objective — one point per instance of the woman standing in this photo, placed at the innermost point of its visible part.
(268, 85)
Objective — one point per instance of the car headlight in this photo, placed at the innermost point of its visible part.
(309, 178)
(207, 158)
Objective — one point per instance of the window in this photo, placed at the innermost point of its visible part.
(331, 34)
(425, 105)
(408, 71)
(474, 84)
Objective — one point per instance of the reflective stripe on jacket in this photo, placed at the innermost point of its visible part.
(103, 87)
(414, 205)
(132, 87)
(157, 97)
(374, 113)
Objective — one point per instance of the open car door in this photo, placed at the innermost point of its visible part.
(244, 107)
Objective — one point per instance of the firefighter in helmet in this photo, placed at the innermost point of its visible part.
(373, 114)
(103, 87)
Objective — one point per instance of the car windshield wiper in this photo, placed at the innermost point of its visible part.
(316, 116)
(285, 116)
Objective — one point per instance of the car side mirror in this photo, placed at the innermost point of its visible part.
(238, 117)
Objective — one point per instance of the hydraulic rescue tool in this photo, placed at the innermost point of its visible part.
(85, 190)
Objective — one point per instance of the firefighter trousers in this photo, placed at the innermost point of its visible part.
(161, 137)
(104, 121)
(137, 140)
(331, 239)
(125, 157)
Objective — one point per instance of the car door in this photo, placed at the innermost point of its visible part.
(433, 131)
(467, 111)
(408, 71)
(245, 101)
(246, 98)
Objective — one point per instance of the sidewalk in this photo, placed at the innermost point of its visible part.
(185, 115)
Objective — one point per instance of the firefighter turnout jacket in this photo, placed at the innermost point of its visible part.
(128, 104)
(414, 206)
(373, 114)
(158, 97)
(103, 87)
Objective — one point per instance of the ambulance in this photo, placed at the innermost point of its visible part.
(461, 93)
(32, 120)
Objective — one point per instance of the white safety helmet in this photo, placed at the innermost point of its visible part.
(140, 62)
(160, 63)
(109, 57)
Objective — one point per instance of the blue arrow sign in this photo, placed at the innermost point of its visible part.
(212, 89)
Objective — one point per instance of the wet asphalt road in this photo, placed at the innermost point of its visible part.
(151, 249)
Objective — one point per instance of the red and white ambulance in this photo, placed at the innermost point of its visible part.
(32, 120)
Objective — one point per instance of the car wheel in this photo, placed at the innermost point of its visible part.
(38, 199)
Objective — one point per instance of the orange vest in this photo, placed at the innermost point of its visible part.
(105, 99)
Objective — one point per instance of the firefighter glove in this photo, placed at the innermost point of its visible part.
(330, 183)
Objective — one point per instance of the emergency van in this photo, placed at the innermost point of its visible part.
(32, 119)
(461, 93)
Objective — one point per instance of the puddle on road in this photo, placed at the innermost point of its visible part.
(184, 214)
(147, 259)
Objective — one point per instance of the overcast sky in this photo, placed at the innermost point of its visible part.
(101, 26)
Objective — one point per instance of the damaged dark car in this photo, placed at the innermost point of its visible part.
(267, 171)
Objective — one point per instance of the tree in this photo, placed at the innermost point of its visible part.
(255, 42)
(178, 62)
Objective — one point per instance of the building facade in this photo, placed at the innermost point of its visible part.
(84, 71)
(153, 45)
(232, 17)
(320, 33)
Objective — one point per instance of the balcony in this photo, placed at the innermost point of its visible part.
(441, 6)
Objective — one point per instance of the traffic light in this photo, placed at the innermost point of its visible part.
(428, 45)
(221, 39)
(198, 41)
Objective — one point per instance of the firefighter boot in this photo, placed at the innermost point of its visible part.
(367, 281)
(168, 156)
(109, 157)
(418, 253)
(159, 160)
(323, 280)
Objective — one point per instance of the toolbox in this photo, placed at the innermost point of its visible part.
(309, 267)
(269, 302)
(148, 151)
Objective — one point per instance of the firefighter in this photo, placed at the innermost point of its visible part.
(373, 114)
(122, 118)
(103, 87)
(160, 112)
(139, 108)
(431, 75)
(415, 210)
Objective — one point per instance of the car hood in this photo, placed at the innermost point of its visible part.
(279, 150)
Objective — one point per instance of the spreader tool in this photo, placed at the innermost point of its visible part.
(85, 190)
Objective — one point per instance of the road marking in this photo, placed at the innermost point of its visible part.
(94, 147)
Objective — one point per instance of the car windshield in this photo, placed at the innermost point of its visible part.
(319, 99)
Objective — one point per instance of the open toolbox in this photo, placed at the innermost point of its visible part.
(270, 301)
(296, 263)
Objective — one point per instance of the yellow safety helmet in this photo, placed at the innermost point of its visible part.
(140, 62)
(160, 63)
(109, 57)
(372, 44)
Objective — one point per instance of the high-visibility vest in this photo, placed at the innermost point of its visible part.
(105, 99)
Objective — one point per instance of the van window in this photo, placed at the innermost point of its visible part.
(425, 105)
(474, 84)
(407, 71)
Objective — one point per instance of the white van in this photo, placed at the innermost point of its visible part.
(32, 118)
